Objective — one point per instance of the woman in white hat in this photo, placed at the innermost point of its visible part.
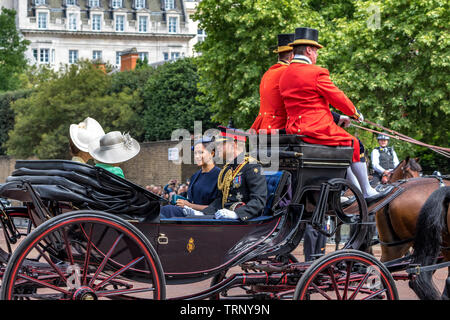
(81, 135)
(113, 148)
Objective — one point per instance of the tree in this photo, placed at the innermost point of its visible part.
(42, 120)
(12, 49)
(238, 50)
(170, 100)
(392, 59)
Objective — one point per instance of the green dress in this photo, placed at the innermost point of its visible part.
(116, 170)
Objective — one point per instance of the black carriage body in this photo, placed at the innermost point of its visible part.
(190, 249)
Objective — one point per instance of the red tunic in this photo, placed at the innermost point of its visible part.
(307, 91)
(272, 114)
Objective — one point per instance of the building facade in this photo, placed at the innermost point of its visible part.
(64, 31)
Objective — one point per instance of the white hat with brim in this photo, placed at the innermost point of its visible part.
(114, 147)
(83, 133)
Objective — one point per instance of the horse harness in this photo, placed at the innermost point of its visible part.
(385, 203)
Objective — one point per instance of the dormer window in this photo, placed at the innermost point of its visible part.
(42, 20)
(139, 4)
(170, 4)
(116, 4)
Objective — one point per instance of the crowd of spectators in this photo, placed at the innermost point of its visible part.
(171, 188)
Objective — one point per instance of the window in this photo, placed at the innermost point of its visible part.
(143, 22)
(170, 4)
(118, 58)
(166, 56)
(143, 56)
(42, 20)
(72, 21)
(44, 55)
(96, 22)
(116, 4)
(201, 35)
(94, 3)
(39, 2)
(174, 55)
(35, 54)
(120, 22)
(71, 2)
(73, 56)
(97, 55)
(139, 4)
(173, 24)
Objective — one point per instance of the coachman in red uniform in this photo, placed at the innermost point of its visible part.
(307, 91)
(272, 114)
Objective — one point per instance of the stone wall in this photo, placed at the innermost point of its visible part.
(150, 166)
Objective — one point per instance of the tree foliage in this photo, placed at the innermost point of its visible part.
(241, 35)
(12, 49)
(170, 102)
(42, 120)
(391, 58)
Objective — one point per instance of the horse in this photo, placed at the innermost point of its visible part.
(398, 222)
(433, 230)
(406, 169)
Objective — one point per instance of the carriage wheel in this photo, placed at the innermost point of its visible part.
(346, 275)
(84, 255)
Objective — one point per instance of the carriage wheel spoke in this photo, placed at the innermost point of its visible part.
(88, 254)
(105, 259)
(50, 262)
(43, 283)
(333, 280)
(374, 294)
(117, 273)
(68, 247)
(366, 276)
(347, 279)
(323, 293)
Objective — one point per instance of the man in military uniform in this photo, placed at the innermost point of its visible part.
(242, 187)
(384, 160)
(272, 114)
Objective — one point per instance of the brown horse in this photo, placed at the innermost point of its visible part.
(406, 169)
(396, 223)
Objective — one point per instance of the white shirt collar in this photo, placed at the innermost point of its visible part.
(302, 57)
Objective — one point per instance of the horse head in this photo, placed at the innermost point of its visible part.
(412, 168)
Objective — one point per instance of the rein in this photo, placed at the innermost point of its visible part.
(396, 135)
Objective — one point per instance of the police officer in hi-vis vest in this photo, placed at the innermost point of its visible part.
(384, 160)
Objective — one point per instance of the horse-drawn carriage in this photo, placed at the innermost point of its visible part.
(94, 235)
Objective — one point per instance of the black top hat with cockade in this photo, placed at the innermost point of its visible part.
(306, 36)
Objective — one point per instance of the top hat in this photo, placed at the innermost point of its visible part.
(283, 42)
(114, 147)
(306, 36)
(83, 133)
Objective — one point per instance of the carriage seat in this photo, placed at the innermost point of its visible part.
(86, 187)
(279, 192)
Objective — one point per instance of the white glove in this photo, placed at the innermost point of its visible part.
(345, 121)
(189, 212)
(226, 214)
